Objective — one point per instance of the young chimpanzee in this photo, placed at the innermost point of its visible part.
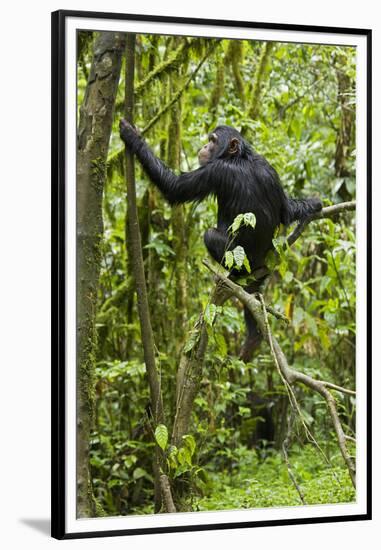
(242, 181)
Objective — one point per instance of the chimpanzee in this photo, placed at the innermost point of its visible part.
(242, 181)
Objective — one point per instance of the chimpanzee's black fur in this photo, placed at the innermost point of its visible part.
(242, 181)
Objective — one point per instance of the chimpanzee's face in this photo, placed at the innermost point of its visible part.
(207, 152)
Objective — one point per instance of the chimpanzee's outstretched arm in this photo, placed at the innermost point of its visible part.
(301, 209)
(191, 186)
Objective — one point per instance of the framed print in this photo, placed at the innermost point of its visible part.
(211, 188)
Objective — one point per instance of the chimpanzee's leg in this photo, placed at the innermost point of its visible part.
(253, 334)
(217, 243)
(253, 337)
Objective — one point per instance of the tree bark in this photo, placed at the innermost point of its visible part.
(96, 115)
(188, 381)
(218, 88)
(136, 249)
(235, 58)
(344, 139)
(177, 219)
(254, 109)
(190, 372)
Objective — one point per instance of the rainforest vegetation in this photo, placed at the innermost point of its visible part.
(170, 419)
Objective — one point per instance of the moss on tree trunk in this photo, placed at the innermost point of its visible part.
(95, 122)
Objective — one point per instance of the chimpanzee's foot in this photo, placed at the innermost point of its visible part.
(316, 204)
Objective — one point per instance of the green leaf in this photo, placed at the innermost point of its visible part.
(138, 473)
(279, 243)
(282, 268)
(244, 411)
(247, 264)
(229, 259)
(210, 314)
(172, 457)
(193, 338)
(324, 339)
(236, 223)
(173, 450)
(184, 456)
(115, 483)
(181, 470)
(249, 219)
(130, 460)
(239, 256)
(296, 128)
(324, 283)
(161, 248)
(190, 443)
(161, 436)
(221, 344)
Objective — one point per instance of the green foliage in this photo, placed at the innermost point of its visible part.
(180, 461)
(261, 484)
(237, 258)
(247, 219)
(161, 436)
(210, 314)
(229, 259)
(224, 462)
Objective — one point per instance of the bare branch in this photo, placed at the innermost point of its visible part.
(338, 388)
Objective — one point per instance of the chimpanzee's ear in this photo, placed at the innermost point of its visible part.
(233, 146)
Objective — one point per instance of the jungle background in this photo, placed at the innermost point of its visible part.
(244, 440)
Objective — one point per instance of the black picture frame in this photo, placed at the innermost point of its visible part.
(60, 246)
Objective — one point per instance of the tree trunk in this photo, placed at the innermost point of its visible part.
(259, 79)
(96, 115)
(235, 57)
(177, 219)
(344, 140)
(190, 371)
(218, 89)
(135, 249)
